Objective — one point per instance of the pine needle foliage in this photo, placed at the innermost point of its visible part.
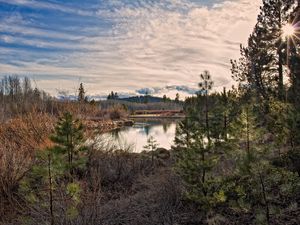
(69, 139)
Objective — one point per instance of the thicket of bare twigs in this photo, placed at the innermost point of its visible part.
(117, 187)
(20, 138)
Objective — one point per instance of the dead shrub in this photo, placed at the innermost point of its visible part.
(19, 139)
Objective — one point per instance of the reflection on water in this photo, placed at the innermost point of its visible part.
(136, 136)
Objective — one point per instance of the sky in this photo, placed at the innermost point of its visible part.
(128, 46)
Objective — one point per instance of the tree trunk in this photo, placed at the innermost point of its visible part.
(280, 77)
(225, 113)
(248, 131)
(265, 198)
(203, 176)
(50, 191)
(280, 66)
(206, 118)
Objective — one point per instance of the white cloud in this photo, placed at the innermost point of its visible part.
(151, 45)
(172, 47)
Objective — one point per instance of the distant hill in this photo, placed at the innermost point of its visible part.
(142, 99)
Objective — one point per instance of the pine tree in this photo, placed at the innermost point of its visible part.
(197, 156)
(255, 177)
(294, 59)
(112, 94)
(294, 93)
(187, 128)
(146, 97)
(81, 93)
(205, 86)
(177, 98)
(69, 140)
(274, 15)
(195, 165)
(151, 147)
(261, 64)
(47, 191)
(164, 98)
(184, 134)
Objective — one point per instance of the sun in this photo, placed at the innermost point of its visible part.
(288, 30)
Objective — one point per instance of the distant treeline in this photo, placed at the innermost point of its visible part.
(133, 106)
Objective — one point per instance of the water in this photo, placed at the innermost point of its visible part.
(136, 136)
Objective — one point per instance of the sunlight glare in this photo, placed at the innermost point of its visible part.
(288, 30)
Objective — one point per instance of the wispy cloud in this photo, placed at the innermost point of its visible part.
(38, 4)
(125, 46)
(162, 90)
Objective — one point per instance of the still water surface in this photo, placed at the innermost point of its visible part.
(136, 136)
